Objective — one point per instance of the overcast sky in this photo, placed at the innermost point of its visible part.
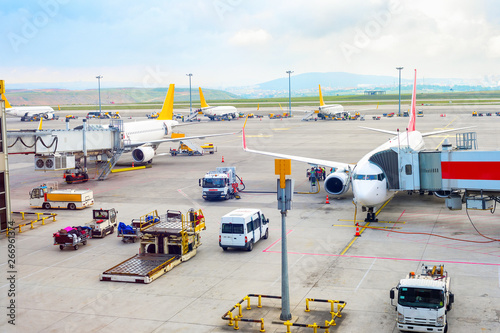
(239, 43)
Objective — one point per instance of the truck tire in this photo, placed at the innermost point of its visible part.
(61, 247)
(266, 235)
(227, 197)
(250, 246)
(71, 206)
(76, 247)
(69, 179)
(46, 205)
(112, 230)
(84, 242)
(224, 248)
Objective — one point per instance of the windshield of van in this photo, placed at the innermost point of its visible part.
(421, 297)
(228, 228)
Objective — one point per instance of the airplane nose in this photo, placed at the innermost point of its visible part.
(369, 193)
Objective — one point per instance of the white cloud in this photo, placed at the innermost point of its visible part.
(250, 37)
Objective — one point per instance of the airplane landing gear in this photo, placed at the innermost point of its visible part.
(370, 215)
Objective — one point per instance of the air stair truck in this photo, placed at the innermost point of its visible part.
(165, 243)
(424, 300)
(46, 197)
(220, 184)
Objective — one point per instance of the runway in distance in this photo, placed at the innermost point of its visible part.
(217, 112)
(369, 182)
(142, 138)
(29, 111)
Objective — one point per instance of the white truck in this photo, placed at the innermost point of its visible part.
(220, 184)
(424, 300)
(47, 197)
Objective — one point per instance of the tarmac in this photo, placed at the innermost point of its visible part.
(60, 291)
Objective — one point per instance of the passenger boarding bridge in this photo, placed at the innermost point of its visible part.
(69, 149)
(461, 175)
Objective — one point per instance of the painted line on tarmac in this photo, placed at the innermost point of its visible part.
(364, 276)
(278, 240)
(393, 258)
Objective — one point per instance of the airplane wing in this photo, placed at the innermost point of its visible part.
(311, 161)
(157, 142)
(445, 131)
(380, 130)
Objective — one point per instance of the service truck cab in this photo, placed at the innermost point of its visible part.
(423, 301)
(104, 222)
(242, 228)
(220, 184)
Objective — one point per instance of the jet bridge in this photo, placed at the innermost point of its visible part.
(459, 175)
(69, 148)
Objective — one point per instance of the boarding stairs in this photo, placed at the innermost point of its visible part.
(309, 116)
(116, 152)
(192, 116)
(197, 150)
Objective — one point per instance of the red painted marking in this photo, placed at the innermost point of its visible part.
(390, 258)
(278, 240)
(477, 170)
(399, 218)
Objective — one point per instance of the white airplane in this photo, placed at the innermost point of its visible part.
(217, 112)
(142, 138)
(26, 112)
(369, 182)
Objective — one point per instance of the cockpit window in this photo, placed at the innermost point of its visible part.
(378, 177)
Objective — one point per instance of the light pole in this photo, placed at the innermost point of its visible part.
(190, 100)
(99, 77)
(399, 69)
(289, 94)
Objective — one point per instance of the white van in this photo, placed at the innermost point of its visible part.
(242, 228)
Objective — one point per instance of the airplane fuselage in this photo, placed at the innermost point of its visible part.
(220, 111)
(369, 184)
(331, 110)
(147, 130)
(21, 111)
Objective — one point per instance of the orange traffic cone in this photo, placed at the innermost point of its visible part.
(357, 230)
(222, 159)
(132, 164)
(327, 201)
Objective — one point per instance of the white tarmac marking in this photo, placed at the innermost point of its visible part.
(364, 276)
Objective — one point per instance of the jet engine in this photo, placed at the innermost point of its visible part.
(337, 183)
(143, 154)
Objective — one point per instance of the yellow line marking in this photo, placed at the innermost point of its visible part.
(280, 129)
(343, 220)
(445, 137)
(363, 229)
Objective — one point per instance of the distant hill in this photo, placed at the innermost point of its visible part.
(109, 96)
(328, 80)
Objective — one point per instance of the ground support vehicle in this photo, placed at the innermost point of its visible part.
(424, 300)
(77, 175)
(243, 227)
(104, 222)
(164, 245)
(189, 148)
(220, 184)
(47, 197)
(72, 236)
(133, 232)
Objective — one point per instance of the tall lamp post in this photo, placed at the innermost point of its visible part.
(190, 100)
(289, 94)
(399, 69)
(99, 77)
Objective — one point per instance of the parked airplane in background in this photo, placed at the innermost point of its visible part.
(142, 138)
(369, 182)
(217, 112)
(27, 112)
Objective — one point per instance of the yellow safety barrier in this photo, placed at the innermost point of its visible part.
(38, 219)
(234, 319)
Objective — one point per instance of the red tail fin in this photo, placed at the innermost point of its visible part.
(411, 123)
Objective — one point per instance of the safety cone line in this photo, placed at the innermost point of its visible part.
(222, 159)
(357, 230)
(327, 201)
